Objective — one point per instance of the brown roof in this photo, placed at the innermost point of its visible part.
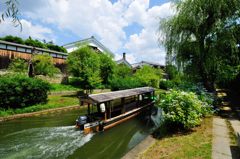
(103, 97)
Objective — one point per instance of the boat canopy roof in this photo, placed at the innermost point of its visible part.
(104, 97)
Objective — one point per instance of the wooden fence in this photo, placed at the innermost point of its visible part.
(9, 50)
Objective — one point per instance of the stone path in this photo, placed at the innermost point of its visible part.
(221, 148)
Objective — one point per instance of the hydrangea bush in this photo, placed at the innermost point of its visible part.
(183, 109)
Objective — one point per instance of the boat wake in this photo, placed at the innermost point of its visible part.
(47, 142)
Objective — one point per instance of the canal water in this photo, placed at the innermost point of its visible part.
(54, 136)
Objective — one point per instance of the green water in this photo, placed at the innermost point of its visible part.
(54, 136)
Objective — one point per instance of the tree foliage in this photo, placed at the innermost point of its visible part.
(18, 65)
(120, 83)
(35, 43)
(18, 91)
(43, 65)
(84, 64)
(107, 67)
(123, 71)
(201, 38)
(149, 76)
(172, 71)
(13, 39)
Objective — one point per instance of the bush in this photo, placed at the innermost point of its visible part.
(21, 91)
(200, 91)
(43, 65)
(125, 83)
(18, 65)
(166, 84)
(149, 76)
(122, 71)
(183, 109)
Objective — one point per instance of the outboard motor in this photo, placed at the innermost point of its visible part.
(81, 121)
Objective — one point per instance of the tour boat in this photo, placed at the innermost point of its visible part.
(106, 110)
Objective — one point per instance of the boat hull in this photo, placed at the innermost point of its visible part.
(107, 124)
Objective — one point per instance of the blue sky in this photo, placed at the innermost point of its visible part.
(129, 26)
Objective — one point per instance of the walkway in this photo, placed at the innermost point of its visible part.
(224, 144)
(221, 148)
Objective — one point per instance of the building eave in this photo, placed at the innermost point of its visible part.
(89, 40)
(124, 61)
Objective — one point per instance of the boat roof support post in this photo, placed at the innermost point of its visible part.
(123, 105)
(110, 105)
(88, 108)
(137, 101)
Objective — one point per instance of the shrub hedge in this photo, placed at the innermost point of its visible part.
(166, 84)
(125, 83)
(183, 109)
(18, 91)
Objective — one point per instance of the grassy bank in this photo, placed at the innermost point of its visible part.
(55, 87)
(54, 101)
(197, 144)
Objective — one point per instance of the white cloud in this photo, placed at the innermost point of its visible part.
(86, 18)
(144, 45)
(136, 11)
(103, 19)
(29, 29)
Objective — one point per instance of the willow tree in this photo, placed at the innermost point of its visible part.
(10, 10)
(200, 38)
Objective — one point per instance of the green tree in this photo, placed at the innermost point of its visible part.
(51, 46)
(35, 43)
(200, 38)
(43, 65)
(18, 65)
(172, 71)
(84, 63)
(14, 39)
(149, 76)
(122, 71)
(107, 67)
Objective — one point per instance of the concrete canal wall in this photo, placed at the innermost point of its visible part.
(39, 113)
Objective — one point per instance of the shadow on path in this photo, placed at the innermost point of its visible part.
(229, 110)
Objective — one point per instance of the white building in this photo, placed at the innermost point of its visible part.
(91, 42)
